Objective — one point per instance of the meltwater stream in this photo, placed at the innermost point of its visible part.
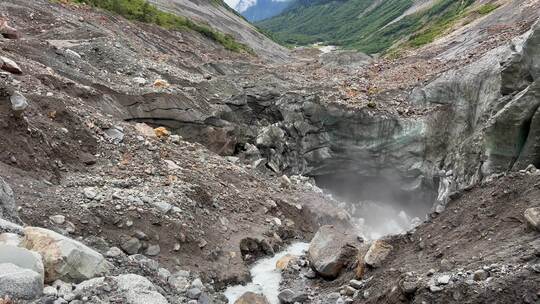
(265, 277)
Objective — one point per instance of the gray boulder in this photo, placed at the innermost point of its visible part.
(19, 283)
(64, 258)
(22, 258)
(331, 250)
(135, 289)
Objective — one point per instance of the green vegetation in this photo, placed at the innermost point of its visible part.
(446, 13)
(487, 8)
(364, 25)
(141, 10)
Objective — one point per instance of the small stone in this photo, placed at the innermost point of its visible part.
(50, 291)
(377, 253)
(58, 219)
(356, 284)
(193, 293)
(89, 193)
(197, 283)
(131, 246)
(532, 215)
(287, 296)
(284, 262)
(18, 103)
(480, 275)
(114, 252)
(164, 274)
(139, 81)
(153, 250)
(10, 65)
(444, 279)
(116, 134)
(72, 54)
(434, 288)
(310, 274)
(171, 165)
(163, 206)
(251, 298)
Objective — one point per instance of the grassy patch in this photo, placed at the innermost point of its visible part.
(448, 12)
(141, 10)
(487, 8)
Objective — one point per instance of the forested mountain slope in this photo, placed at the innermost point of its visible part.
(373, 26)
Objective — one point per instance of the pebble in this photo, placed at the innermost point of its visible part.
(58, 219)
(193, 293)
(480, 275)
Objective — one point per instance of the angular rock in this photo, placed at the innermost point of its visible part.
(64, 258)
(284, 262)
(331, 250)
(19, 283)
(131, 246)
(377, 253)
(116, 134)
(153, 250)
(7, 31)
(532, 215)
(480, 275)
(145, 130)
(251, 298)
(18, 103)
(193, 293)
(10, 65)
(288, 296)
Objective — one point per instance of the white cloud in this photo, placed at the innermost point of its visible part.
(232, 3)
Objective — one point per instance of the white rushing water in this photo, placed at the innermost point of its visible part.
(265, 277)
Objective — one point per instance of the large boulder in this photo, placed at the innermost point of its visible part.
(331, 250)
(19, 283)
(134, 289)
(64, 258)
(251, 298)
(8, 209)
(22, 258)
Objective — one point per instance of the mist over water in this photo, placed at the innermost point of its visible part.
(379, 205)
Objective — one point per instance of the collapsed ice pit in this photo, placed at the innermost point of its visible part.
(379, 205)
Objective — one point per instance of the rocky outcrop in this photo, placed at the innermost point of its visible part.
(331, 250)
(8, 208)
(64, 258)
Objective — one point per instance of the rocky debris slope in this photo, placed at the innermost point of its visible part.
(150, 163)
(482, 249)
